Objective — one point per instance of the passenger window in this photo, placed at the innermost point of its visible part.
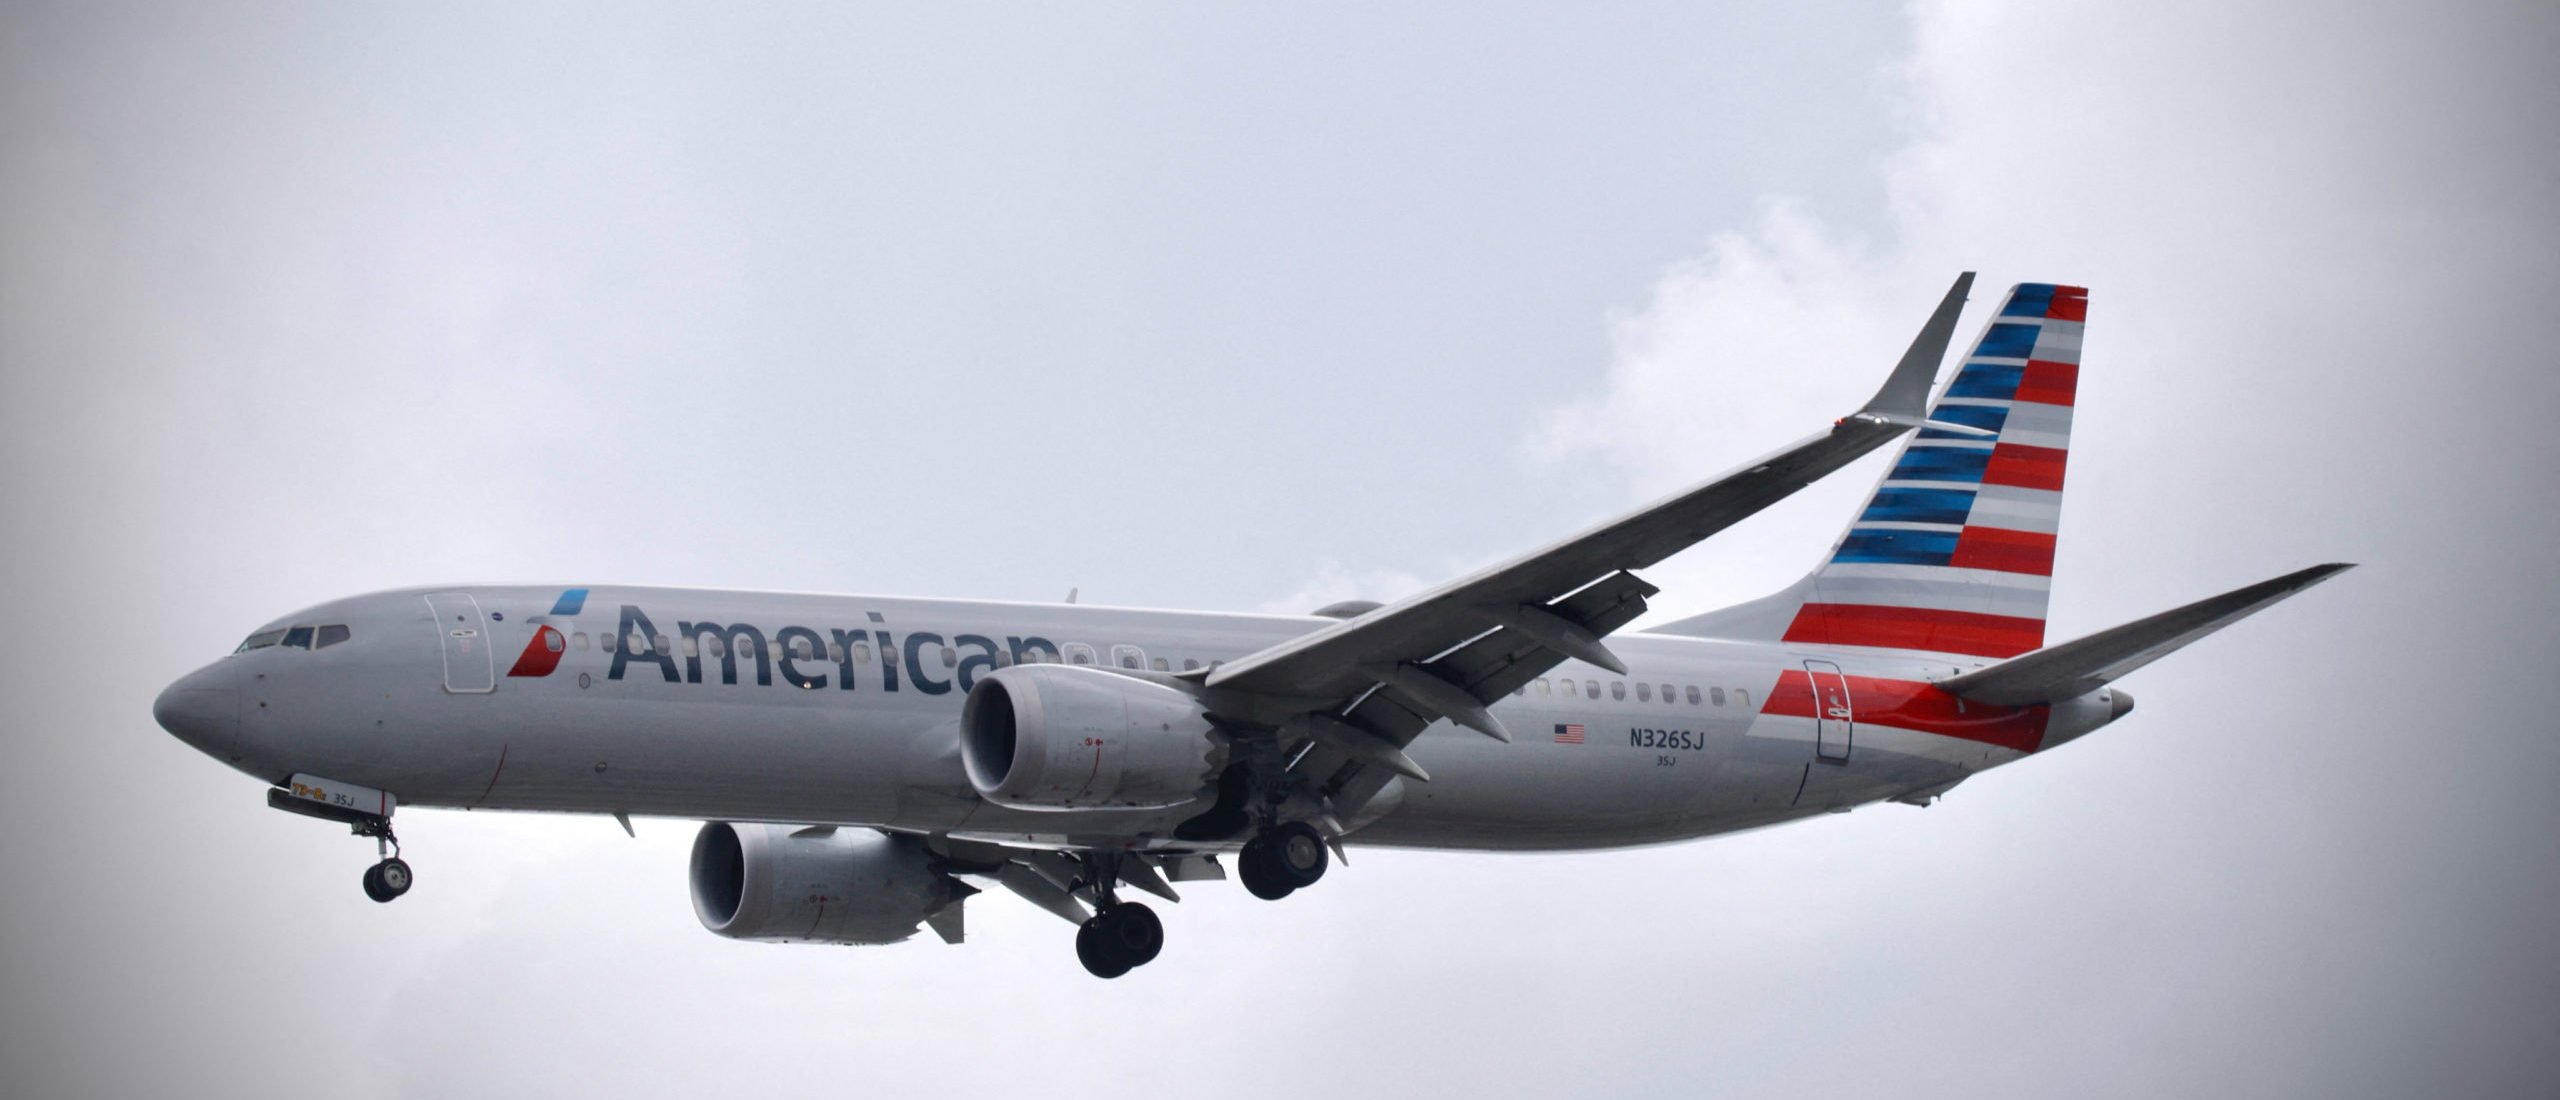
(1159, 665)
(658, 643)
(298, 638)
(1189, 665)
(1716, 694)
(1002, 658)
(862, 653)
(1618, 690)
(1591, 688)
(950, 657)
(610, 642)
(1128, 656)
(579, 640)
(1542, 685)
(800, 650)
(1741, 698)
(888, 656)
(1644, 692)
(551, 639)
(1079, 653)
(693, 646)
(330, 635)
(746, 647)
(260, 640)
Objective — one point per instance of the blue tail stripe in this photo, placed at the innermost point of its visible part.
(1919, 506)
(2031, 300)
(2006, 341)
(1940, 464)
(1998, 383)
(1897, 547)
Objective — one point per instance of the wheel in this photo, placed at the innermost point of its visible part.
(1133, 932)
(1261, 879)
(388, 879)
(1094, 950)
(1297, 854)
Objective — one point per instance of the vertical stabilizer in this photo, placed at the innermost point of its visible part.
(1953, 553)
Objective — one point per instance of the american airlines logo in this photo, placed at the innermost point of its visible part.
(805, 657)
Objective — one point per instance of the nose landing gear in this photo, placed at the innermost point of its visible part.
(391, 877)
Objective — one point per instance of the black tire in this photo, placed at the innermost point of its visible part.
(1297, 854)
(373, 887)
(1134, 933)
(1261, 879)
(395, 876)
(1093, 949)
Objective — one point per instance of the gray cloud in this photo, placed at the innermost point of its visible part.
(326, 300)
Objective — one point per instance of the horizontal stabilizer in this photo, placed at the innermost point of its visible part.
(2078, 667)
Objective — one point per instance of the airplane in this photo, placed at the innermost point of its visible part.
(865, 764)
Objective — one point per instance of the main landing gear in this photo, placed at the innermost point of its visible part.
(1118, 938)
(1282, 859)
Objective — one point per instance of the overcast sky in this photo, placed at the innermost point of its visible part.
(1258, 307)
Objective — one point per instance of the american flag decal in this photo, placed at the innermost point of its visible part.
(1568, 733)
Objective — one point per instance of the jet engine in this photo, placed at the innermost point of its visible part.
(1069, 737)
(767, 882)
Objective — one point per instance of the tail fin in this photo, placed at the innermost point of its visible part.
(1954, 551)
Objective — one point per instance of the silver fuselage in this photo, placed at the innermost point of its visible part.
(863, 730)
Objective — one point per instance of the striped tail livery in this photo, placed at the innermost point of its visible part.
(1953, 552)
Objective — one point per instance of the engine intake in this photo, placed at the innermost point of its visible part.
(1068, 737)
(761, 882)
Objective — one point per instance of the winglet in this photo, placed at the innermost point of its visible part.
(2083, 665)
(1904, 399)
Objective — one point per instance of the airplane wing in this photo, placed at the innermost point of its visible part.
(1370, 684)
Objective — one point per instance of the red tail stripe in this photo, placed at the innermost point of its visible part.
(2070, 303)
(2046, 382)
(1911, 705)
(2025, 467)
(2004, 550)
(1936, 630)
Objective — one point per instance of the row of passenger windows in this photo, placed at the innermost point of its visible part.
(802, 649)
(1132, 657)
(297, 637)
(1671, 694)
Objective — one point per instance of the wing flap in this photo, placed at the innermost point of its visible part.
(2083, 665)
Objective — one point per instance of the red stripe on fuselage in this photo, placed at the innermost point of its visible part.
(2046, 382)
(1936, 630)
(1911, 705)
(541, 655)
(2024, 467)
(2004, 550)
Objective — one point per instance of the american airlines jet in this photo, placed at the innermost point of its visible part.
(867, 763)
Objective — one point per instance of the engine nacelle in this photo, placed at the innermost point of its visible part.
(759, 882)
(1069, 737)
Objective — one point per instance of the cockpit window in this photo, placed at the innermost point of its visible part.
(330, 635)
(298, 638)
(260, 640)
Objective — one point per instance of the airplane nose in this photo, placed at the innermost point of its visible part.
(203, 710)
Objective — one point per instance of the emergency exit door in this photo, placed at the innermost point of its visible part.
(469, 668)
(1833, 722)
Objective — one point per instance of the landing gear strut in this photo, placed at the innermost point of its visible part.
(1282, 860)
(1120, 936)
(391, 877)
